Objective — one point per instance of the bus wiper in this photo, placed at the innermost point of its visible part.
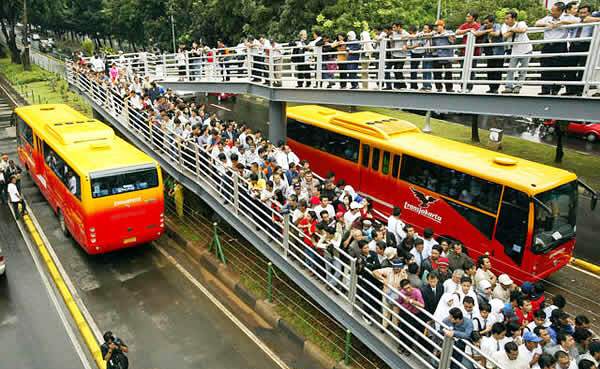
(540, 203)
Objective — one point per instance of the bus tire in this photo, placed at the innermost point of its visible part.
(62, 223)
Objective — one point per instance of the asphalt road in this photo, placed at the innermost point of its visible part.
(32, 333)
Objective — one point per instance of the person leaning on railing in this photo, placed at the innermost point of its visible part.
(515, 31)
(585, 14)
(443, 39)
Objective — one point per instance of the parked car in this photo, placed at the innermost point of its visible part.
(221, 96)
(2, 262)
(586, 130)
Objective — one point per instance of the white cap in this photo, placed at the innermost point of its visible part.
(354, 205)
(505, 280)
(484, 284)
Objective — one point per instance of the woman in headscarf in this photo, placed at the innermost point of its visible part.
(354, 52)
(367, 46)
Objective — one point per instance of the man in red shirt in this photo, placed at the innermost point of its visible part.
(466, 30)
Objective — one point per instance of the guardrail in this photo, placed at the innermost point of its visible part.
(350, 284)
(418, 62)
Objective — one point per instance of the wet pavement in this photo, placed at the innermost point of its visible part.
(32, 333)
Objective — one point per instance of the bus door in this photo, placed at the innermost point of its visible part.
(511, 232)
(372, 180)
(365, 167)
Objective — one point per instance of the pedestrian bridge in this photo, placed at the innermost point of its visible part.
(558, 79)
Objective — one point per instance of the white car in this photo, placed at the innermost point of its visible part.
(2, 262)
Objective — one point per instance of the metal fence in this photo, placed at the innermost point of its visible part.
(48, 63)
(466, 64)
(349, 285)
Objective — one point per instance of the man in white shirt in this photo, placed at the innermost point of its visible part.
(352, 215)
(510, 358)
(453, 284)
(554, 31)
(530, 348)
(15, 198)
(324, 205)
(428, 240)
(495, 342)
(396, 226)
(398, 41)
(564, 361)
(516, 31)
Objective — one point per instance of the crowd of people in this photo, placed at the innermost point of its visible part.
(10, 185)
(406, 281)
(417, 58)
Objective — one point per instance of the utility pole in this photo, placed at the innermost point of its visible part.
(439, 10)
(173, 33)
(26, 60)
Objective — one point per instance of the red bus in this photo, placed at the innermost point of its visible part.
(106, 193)
(521, 213)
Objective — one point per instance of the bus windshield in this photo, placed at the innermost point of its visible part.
(551, 229)
(122, 180)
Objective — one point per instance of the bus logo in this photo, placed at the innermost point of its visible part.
(425, 200)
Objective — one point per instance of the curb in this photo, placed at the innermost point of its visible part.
(587, 266)
(263, 308)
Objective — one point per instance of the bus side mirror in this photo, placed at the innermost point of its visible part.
(594, 202)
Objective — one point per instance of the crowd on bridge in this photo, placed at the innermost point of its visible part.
(407, 280)
(416, 58)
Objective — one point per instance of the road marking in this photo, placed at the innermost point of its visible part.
(220, 107)
(52, 294)
(583, 271)
(223, 309)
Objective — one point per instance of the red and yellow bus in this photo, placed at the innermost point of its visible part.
(520, 212)
(106, 193)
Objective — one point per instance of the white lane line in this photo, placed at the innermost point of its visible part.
(583, 271)
(224, 310)
(67, 280)
(52, 295)
(220, 107)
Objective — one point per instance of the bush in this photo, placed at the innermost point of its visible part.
(88, 46)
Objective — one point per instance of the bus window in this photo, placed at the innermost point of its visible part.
(511, 230)
(127, 180)
(375, 161)
(63, 171)
(365, 155)
(452, 183)
(25, 131)
(483, 222)
(385, 166)
(321, 139)
(396, 166)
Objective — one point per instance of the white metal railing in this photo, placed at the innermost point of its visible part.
(351, 285)
(466, 65)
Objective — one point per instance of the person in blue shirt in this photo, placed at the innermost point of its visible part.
(459, 328)
(353, 55)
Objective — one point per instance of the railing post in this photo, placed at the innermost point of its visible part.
(381, 64)
(249, 59)
(592, 61)
(353, 281)
(187, 65)
(236, 193)
(347, 347)
(197, 155)
(446, 355)
(144, 57)
(164, 65)
(467, 60)
(319, 67)
(271, 68)
(179, 154)
(270, 282)
(286, 235)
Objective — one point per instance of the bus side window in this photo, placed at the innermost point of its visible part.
(375, 162)
(385, 166)
(365, 155)
(25, 132)
(396, 166)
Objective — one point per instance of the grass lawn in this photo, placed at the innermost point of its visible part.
(42, 87)
(587, 167)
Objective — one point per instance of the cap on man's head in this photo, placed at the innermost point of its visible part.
(505, 280)
(531, 337)
(443, 262)
(484, 284)
(397, 264)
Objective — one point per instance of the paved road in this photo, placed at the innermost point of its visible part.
(32, 334)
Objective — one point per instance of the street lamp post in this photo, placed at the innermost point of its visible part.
(26, 61)
(173, 32)
(439, 10)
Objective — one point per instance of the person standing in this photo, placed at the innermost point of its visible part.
(15, 198)
(585, 14)
(113, 352)
(491, 33)
(426, 36)
(367, 48)
(443, 39)
(516, 31)
(398, 40)
(553, 32)
(342, 56)
(298, 58)
(467, 30)
(415, 45)
(354, 52)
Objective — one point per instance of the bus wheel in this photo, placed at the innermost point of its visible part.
(63, 225)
